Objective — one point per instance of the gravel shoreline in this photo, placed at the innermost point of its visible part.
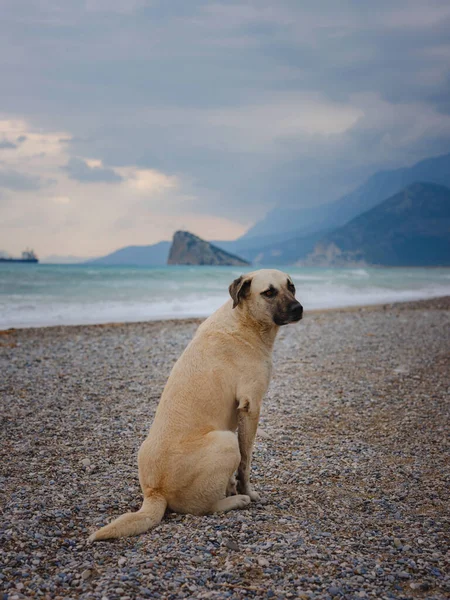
(351, 461)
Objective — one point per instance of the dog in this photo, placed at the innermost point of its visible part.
(189, 459)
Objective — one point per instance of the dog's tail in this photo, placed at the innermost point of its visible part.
(148, 516)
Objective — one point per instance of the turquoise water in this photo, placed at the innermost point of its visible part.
(34, 295)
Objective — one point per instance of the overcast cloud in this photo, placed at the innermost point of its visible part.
(122, 120)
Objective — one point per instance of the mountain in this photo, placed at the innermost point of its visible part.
(188, 249)
(377, 188)
(283, 252)
(411, 228)
(154, 255)
(289, 221)
(251, 246)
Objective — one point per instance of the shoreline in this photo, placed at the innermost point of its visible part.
(198, 320)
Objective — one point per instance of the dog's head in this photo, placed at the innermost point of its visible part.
(268, 295)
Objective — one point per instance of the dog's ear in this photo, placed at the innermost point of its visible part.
(239, 289)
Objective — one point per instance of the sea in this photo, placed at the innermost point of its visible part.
(43, 295)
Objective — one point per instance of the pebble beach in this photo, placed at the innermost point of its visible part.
(351, 461)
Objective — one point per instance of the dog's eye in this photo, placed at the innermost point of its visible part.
(270, 293)
(291, 287)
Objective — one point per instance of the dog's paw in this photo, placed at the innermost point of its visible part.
(242, 501)
(254, 496)
(247, 490)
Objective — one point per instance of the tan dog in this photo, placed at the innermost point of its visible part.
(189, 459)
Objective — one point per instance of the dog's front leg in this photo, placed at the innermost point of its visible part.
(248, 416)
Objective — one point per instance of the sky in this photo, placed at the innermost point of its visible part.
(124, 120)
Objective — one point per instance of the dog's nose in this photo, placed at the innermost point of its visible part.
(297, 310)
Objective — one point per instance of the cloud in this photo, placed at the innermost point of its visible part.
(147, 181)
(6, 144)
(115, 6)
(80, 170)
(137, 203)
(13, 180)
(61, 199)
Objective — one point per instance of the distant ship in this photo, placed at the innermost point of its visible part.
(28, 256)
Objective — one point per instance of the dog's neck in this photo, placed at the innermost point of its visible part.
(249, 326)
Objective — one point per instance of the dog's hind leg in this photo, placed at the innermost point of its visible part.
(226, 456)
(210, 469)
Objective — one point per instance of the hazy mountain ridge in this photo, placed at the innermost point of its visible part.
(154, 255)
(411, 228)
(248, 246)
(377, 188)
(283, 252)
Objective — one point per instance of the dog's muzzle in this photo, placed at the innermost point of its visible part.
(296, 312)
(293, 314)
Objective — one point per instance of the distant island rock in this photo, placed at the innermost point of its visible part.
(188, 249)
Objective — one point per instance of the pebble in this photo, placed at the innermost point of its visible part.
(262, 434)
(197, 559)
(231, 545)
